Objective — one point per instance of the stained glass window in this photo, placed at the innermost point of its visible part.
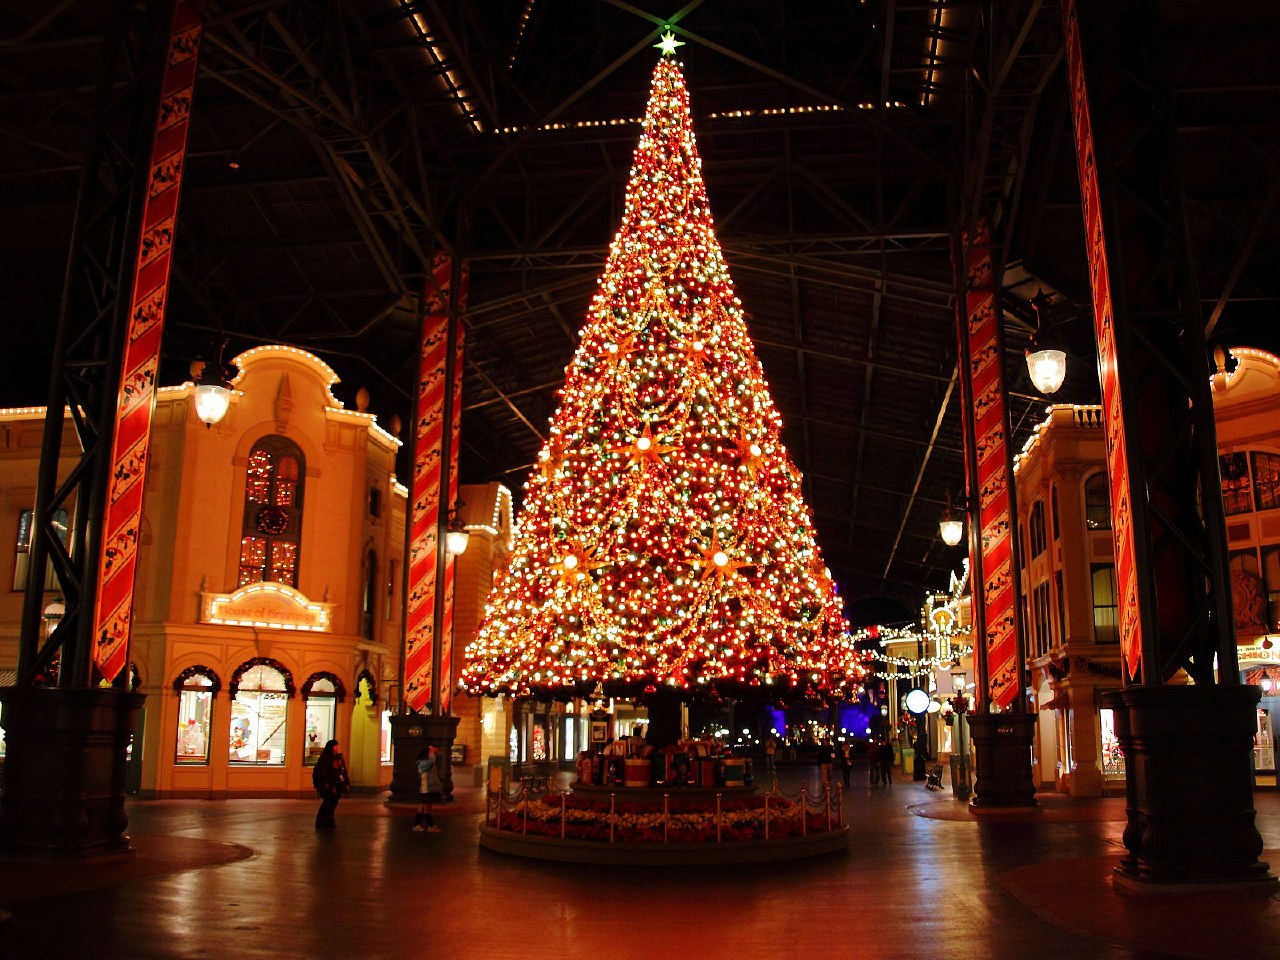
(1266, 479)
(1237, 488)
(272, 520)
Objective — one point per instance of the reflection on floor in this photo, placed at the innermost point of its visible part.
(921, 878)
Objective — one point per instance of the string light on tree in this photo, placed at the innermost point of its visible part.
(663, 539)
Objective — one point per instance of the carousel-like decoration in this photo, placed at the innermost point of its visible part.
(664, 551)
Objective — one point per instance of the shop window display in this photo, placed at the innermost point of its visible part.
(321, 694)
(1264, 749)
(258, 711)
(1112, 758)
(196, 689)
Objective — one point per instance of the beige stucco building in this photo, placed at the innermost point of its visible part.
(1068, 579)
(267, 611)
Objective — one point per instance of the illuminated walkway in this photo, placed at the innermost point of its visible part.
(251, 879)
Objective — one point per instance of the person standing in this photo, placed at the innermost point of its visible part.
(846, 763)
(430, 789)
(770, 756)
(886, 762)
(826, 756)
(329, 777)
(873, 762)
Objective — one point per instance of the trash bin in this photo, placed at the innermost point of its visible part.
(499, 773)
(907, 757)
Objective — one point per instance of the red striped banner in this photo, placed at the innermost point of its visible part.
(455, 427)
(113, 609)
(424, 517)
(986, 393)
(1103, 316)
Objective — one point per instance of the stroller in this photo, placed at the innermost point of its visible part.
(933, 776)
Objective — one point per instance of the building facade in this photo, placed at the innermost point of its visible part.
(267, 607)
(1068, 574)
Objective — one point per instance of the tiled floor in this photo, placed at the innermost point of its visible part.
(921, 879)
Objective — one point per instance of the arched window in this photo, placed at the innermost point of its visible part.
(272, 521)
(260, 692)
(196, 688)
(1097, 502)
(321, 693)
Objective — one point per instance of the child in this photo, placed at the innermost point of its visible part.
(430, 789)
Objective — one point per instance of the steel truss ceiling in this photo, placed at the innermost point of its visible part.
(335, 144)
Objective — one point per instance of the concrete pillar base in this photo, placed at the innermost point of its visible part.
(1189, 787)
(1002, 759)
(410, 733)
(64, 773)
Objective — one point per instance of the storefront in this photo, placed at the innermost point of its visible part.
(1267, 679)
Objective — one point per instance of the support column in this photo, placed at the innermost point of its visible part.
(1000, 727)
(427, 651)
(64, 782)
(411, 733)
(1188, 755)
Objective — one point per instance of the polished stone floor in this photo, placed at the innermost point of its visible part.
(921, 879)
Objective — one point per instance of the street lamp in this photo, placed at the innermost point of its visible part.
(213, 390)
(1046, 358)
(950, 527)
(961, 785)
(456, 536)
(917, 705)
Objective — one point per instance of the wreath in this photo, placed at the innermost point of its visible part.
(272, 520)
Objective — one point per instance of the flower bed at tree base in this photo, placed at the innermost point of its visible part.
(773, 850)
(688, 820)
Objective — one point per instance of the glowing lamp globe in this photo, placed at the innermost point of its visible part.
(455, 542)
(917, 701)
(1047, 367)
(212, 401)
(951, 530)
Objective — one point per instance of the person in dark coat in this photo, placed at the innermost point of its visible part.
(826, 755)
(886, 763)
(329, 777)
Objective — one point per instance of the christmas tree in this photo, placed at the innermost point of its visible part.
(663, 538)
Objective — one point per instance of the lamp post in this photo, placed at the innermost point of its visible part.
(961, 785)
(918, 706)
